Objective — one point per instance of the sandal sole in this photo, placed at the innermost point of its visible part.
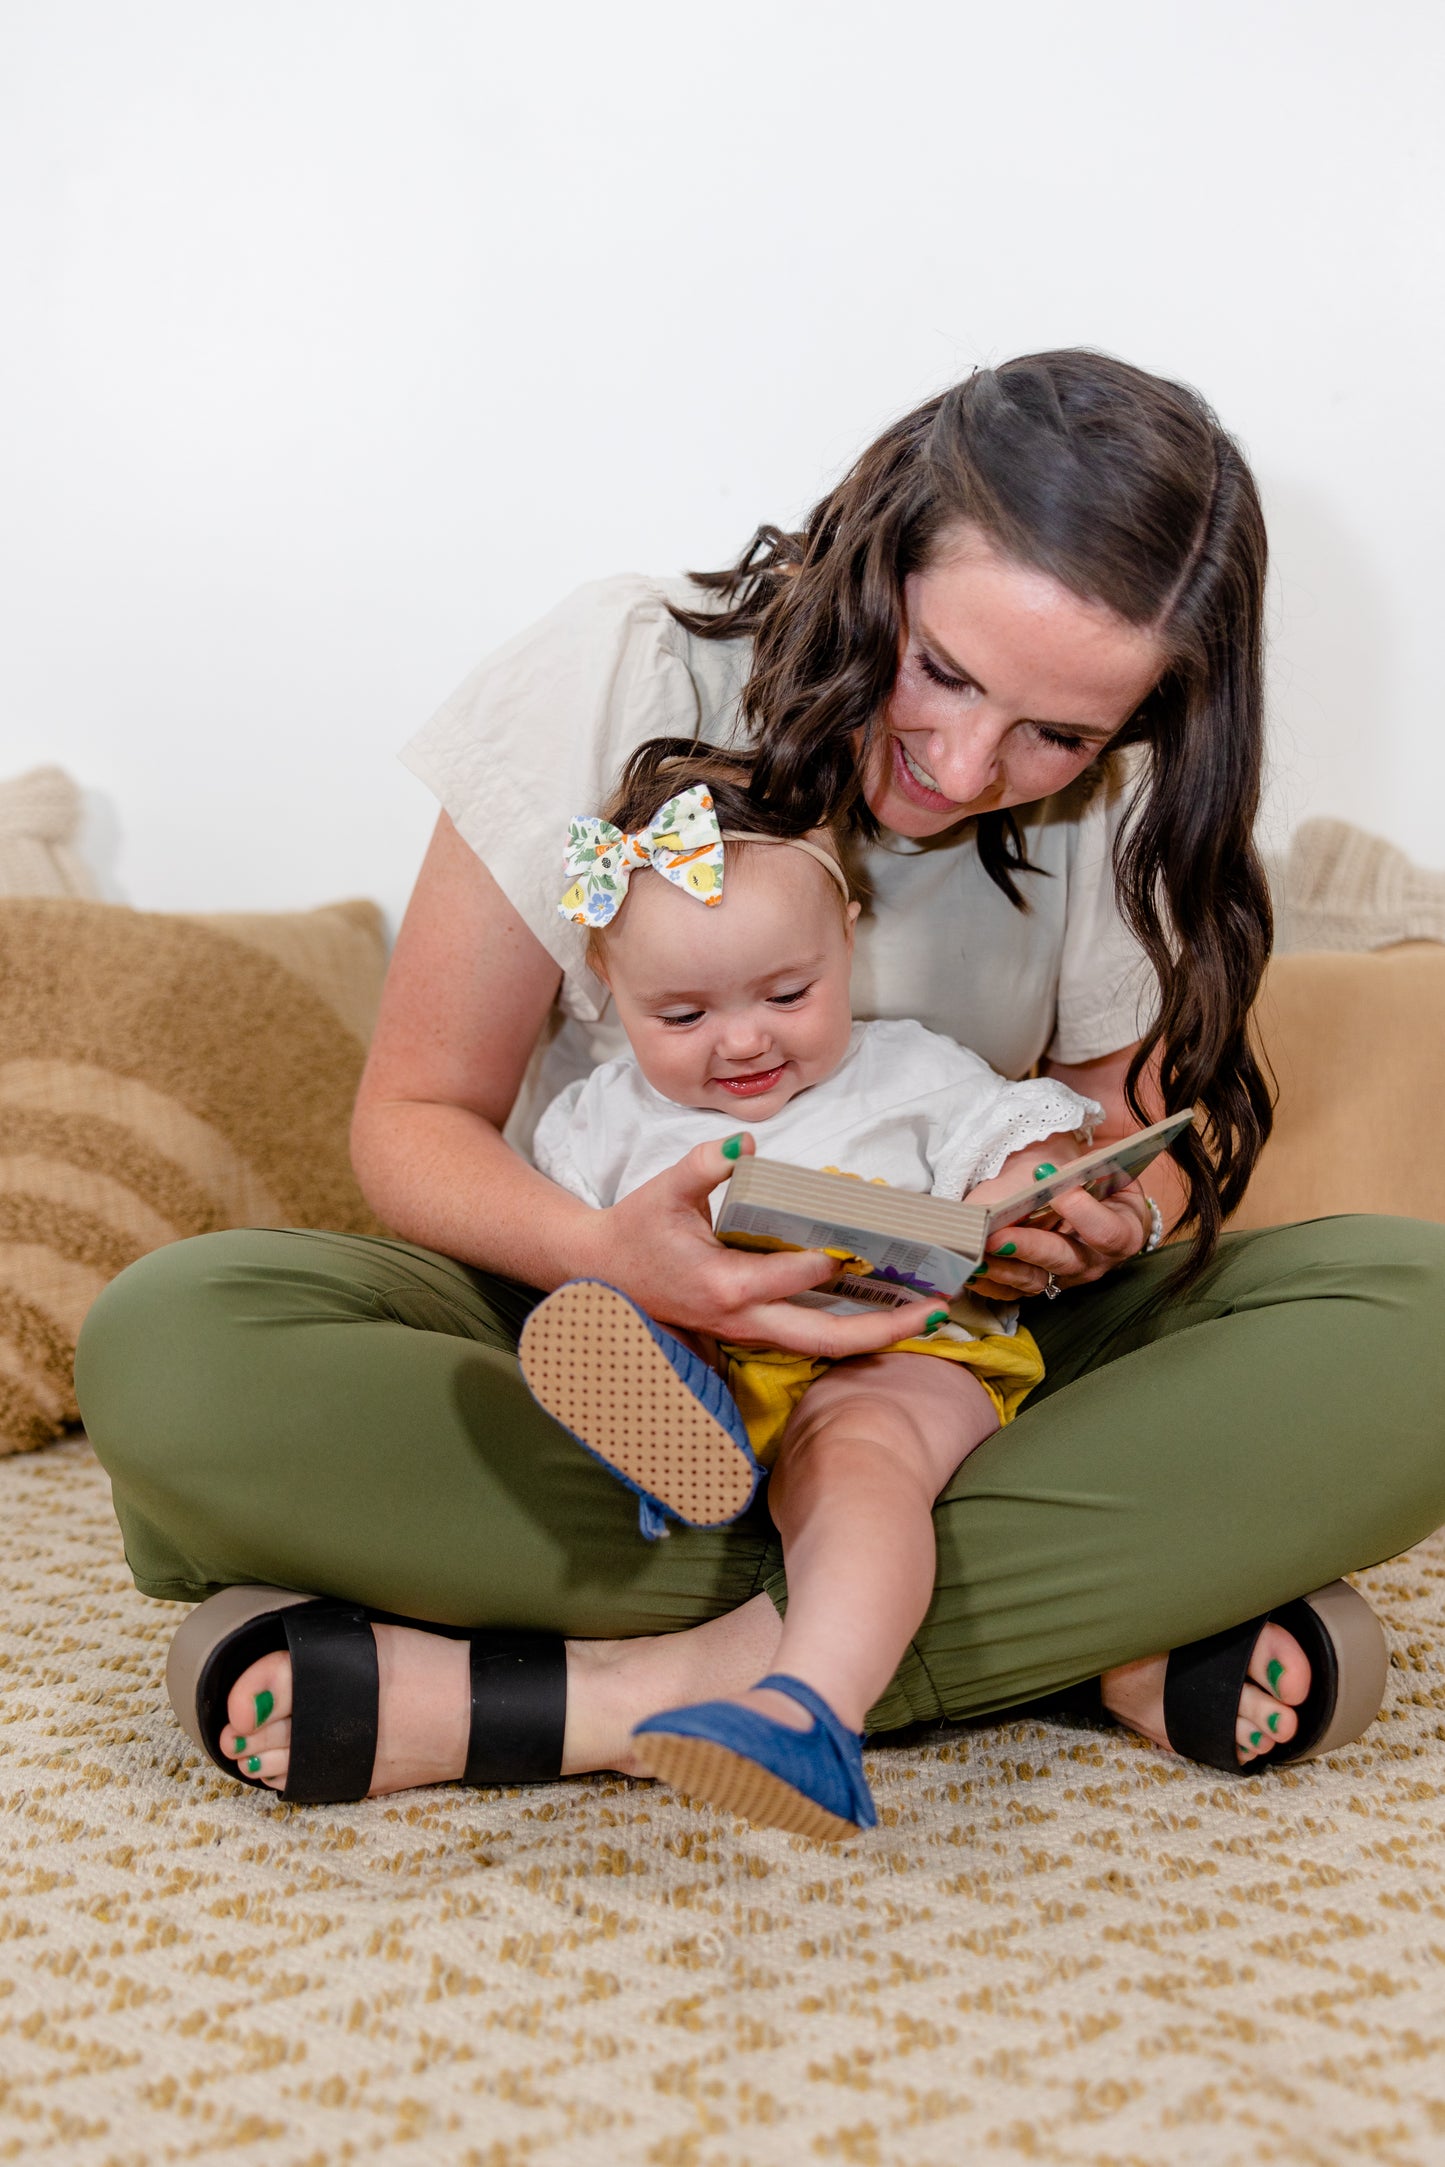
(1362, 1660)
(590, 1360)
(698, 1769)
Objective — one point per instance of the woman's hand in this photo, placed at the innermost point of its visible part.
(1093, 1236)
(658, 1246)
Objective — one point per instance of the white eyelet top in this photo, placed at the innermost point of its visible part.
(904, 1105)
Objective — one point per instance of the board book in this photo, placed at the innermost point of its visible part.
(892, 1246)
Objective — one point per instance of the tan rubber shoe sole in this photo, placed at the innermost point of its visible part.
(1362, 1658)
(590, 1360)
(699, 1769)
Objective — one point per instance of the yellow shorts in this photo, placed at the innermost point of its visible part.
(768, 1383)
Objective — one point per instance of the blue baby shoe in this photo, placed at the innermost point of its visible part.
(643, 1403)
(809, 1781)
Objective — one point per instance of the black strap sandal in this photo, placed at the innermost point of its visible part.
(1349, 1661)
(519, 1690)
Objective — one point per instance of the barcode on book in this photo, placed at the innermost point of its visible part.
(873, 1290)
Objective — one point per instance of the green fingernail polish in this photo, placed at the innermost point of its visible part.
(1274, 1722)
(1274, 1672)
(253, 1766)
(240, 1746)
(1042, 1173)
(1256, 1738)
(265, 1702)
(939, 1316)
(979, 1272)
(1009, 1249)
(732, 1149)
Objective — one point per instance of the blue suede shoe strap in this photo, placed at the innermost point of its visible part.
(798, 1689)
(824, 1763)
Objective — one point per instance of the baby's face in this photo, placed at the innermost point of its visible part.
(735, 1008)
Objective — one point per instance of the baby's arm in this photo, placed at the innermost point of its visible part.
(1021, 1166)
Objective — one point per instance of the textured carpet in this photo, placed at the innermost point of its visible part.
(1060, 1946)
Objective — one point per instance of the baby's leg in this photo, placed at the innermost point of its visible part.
(867, 1450)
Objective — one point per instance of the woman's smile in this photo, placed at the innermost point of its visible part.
(916, 784)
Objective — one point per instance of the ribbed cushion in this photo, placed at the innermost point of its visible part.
(160, 1077)
(39, 817)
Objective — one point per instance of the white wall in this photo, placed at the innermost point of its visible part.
(343, 336)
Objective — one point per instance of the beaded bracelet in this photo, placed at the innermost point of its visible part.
(1156, 1227)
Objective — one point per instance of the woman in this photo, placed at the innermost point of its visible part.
(1018, 649)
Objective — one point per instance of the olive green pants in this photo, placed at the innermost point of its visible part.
(347, 1416)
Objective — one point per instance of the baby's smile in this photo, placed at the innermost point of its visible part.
(755, 1083)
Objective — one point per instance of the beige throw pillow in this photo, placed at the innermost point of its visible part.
(163, 1076)
(1338, 887)
(39, 816)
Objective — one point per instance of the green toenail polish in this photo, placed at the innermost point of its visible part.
(1274, 1672)
(939, 1316)
(1273, 1722)
(1042, 1173)
(253, 1766)
(1009, 1249)
(732, 1149)
(265, 1702)
(240, 1746)
(1256, 1738)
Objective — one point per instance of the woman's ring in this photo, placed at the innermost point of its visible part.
(1052, 1288)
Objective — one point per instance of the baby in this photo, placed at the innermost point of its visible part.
(727, 951)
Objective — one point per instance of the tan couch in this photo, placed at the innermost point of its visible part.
(162, 1075)
(1356, 1044)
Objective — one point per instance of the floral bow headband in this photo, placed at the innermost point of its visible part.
(682, 841)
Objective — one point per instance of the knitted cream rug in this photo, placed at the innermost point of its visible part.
(1060, 1946)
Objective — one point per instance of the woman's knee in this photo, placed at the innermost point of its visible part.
(1402, 1257)
(1360, 1255)
(145, 1348)
(1396, 1265)
(1377, 1237)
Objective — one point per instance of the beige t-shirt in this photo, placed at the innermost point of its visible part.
(539, 732)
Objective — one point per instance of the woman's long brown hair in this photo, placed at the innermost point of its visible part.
(1124, 488)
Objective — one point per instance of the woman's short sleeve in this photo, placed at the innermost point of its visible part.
(539, 732)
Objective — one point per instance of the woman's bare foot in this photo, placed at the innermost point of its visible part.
(424, 1711)
(1280, 1679)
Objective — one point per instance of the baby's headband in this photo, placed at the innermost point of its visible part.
(683, 842)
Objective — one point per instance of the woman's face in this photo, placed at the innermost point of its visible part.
(1008, 686)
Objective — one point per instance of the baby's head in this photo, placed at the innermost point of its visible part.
(733, 1003)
